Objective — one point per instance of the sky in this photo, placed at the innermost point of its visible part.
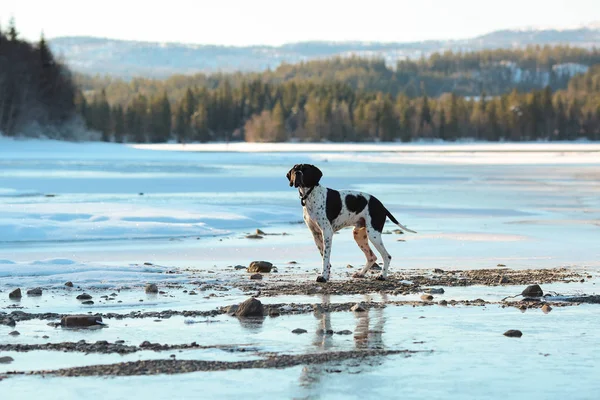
(274, 22)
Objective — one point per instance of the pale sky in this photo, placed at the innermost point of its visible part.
(272, 22)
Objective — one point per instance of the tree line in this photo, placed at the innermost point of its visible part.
(465, 73)
(307, 111)
(35, 88)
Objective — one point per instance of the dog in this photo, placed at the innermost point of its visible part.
(327, 211)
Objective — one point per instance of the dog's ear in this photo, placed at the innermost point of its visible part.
(291, 175)
(311, 175)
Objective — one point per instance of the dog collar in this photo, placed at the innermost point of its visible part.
(303, 198)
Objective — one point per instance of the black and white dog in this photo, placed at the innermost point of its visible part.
(327, 211)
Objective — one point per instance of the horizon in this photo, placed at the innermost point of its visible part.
(463, 20)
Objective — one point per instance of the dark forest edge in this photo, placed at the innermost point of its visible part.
(340, 99)
(37, 92)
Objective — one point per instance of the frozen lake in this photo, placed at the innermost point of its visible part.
(93, 214)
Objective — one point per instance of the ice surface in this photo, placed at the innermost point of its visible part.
(94, 213)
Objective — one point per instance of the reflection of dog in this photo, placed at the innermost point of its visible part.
(327, 211)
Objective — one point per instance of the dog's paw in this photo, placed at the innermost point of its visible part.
(381, 278)
(321, 279)
(358, 275)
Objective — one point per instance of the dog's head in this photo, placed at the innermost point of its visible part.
(304, 175)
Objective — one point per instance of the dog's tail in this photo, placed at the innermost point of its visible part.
(394, 220)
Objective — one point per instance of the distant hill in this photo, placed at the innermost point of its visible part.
(127, 59)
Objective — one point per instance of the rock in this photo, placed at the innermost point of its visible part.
(145, 343)
(15, 294)
(250, 308)
(398, 232)
(438, 271)
(45, 337)
(375, 267)
(324, 332)
(503, 280)
(14, 333)
(426, 297)
(501, 265)
(254, 237)
(260, 266)
(532, 291)
(239, 267)
(259, 232)
(513, 333)
(256, 276)
(358, 307)
(83, 296)
(443, 303)
(546, 308)
(344, 332)
(34, 292)
(147, 263)
(299, 331)
(349, 266)
(88, 302)
(79, 321)
(435, 291)
(151, 288)
(8, 322)
(69, 284)
(231, 310)
(6, 360)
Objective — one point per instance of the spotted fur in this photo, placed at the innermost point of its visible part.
(327, 211)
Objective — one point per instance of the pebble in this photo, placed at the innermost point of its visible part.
(34, 292)
(260, 266)
(426, 297)
(151, 288)
(299, 331)
(14, 333)
(513, 333)
(546, 308)
(83, 296)
(6, 360)
(532, 291)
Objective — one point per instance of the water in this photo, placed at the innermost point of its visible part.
(97, 230)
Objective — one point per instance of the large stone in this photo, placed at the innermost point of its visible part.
(84, 296)
(79, 321)
(15, 294)
(260, 266)
(250, 308)
(151, 288)
(532, 291)
(34, 292)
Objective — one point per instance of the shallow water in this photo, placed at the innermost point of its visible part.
(470, 359)
(192, 218)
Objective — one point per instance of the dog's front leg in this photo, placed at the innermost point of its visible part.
(327, 233)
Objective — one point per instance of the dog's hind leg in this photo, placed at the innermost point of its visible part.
(360, 237)
(375, 238)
